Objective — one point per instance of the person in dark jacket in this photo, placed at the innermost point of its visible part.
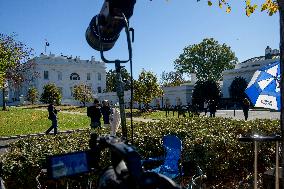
(52, 115)
(94, 113)
(246, 105)
(106, 112)
(212, 108)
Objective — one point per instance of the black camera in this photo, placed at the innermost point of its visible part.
(125, 170)
(104, 28)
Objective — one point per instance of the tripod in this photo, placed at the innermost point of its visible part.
(119, 83)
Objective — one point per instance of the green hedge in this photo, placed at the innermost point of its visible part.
(209, 142)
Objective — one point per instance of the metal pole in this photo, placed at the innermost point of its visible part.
(120, 94)
(277, 166)
(120, 90)
(281, 19)
(255, 165)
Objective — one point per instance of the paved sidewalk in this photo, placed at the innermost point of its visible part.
(253, 114)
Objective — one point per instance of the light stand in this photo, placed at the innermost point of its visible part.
(119, 84)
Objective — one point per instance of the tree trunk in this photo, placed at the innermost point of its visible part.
(3, 96)
(281, 16)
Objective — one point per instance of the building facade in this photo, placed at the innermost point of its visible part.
(179, 95)
(65, 72)
(247, 68)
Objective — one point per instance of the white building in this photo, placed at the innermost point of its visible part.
(247, 68)
(179, 95)
(65, 72)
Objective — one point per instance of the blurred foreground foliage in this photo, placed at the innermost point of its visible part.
(209, 142)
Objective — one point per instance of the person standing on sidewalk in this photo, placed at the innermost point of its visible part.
(212, 108)
(52, 115)
(246, 105)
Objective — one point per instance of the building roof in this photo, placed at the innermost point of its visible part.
(260, 58)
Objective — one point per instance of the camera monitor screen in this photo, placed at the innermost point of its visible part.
(67, 165)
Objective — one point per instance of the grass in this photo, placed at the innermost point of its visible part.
(33, 119)
(136, 113)
(157, 114)
(18, 121)
(68, 108)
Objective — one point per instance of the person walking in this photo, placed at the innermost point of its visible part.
(94, 113)
(212, 108)
(246, 105)
(52, 115)
(106, 111)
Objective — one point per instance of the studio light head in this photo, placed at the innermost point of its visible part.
(104, 28)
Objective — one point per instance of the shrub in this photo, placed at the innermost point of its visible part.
(237, 89)
(32, 95)
(51, 93)
(83, 93)
(209, 142)
(200, 92)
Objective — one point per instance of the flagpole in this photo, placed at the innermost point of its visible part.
(46, 44)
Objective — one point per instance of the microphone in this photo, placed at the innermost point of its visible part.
(104, 28)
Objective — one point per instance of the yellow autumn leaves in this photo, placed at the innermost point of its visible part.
(220, 4)
(270, 6)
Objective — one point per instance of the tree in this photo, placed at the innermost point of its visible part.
(237, 88)
(32, 95)
(170, 79)
(83, 93)
(271, 6)
(51, 93)
(205, 90)
(13, 62)
(111, 80)
(207, 59)
(146, 88)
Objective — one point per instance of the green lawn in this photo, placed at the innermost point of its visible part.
(26, 121)
(136, 113)
(68, 108)
(158, 114)
(33, 119)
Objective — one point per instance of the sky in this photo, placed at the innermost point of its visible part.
(162, 29)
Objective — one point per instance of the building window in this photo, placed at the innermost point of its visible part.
(89, 87)
(59, 76)
(99, 76)
(74, 76)
(88, 76)
(99, 89)
(45, 75)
